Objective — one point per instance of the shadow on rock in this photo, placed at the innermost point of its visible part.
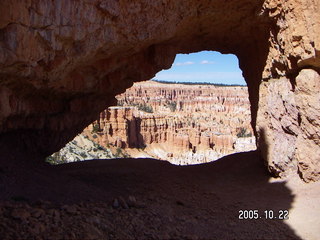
(167, 201)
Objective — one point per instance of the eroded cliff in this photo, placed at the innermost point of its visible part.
(184, 124)
(62, 62)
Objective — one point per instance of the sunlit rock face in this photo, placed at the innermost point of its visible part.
(62, 62)
(184, 124)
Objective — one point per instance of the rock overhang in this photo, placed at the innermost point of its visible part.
(62, 62)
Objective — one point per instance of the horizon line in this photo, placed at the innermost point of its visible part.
(198, 83)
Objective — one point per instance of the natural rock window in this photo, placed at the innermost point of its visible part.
(196, 112)
(63, 62)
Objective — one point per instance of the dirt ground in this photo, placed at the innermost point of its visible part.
(151, 199)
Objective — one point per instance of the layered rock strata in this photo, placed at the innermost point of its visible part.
(184, 124)
(62, 63)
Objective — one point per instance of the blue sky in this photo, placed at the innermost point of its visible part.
(205, 66)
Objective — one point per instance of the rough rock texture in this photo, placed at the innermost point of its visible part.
(62, 62)
(288, 109)
(184, 124)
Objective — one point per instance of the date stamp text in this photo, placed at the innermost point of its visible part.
(266, 214)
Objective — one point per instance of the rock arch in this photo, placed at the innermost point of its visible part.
(62, 62)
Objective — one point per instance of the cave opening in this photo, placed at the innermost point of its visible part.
(195, 112)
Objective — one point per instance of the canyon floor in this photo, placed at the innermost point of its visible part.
(151, 199)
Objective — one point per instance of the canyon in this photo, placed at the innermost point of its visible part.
(182, 123)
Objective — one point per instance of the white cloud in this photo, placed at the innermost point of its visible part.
(184, 63)
(206, 62)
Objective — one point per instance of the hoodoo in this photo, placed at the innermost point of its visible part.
(181, 123)
(62, 63)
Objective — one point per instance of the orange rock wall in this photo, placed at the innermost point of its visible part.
(206, 117)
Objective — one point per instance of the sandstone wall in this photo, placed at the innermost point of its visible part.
(62, 62)
(288, 110)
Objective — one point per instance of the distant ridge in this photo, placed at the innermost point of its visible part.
(199, 83)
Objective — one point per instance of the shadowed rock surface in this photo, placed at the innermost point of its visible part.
(150, 199)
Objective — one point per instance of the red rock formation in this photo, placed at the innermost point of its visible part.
(184, 118)
(62, 62)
